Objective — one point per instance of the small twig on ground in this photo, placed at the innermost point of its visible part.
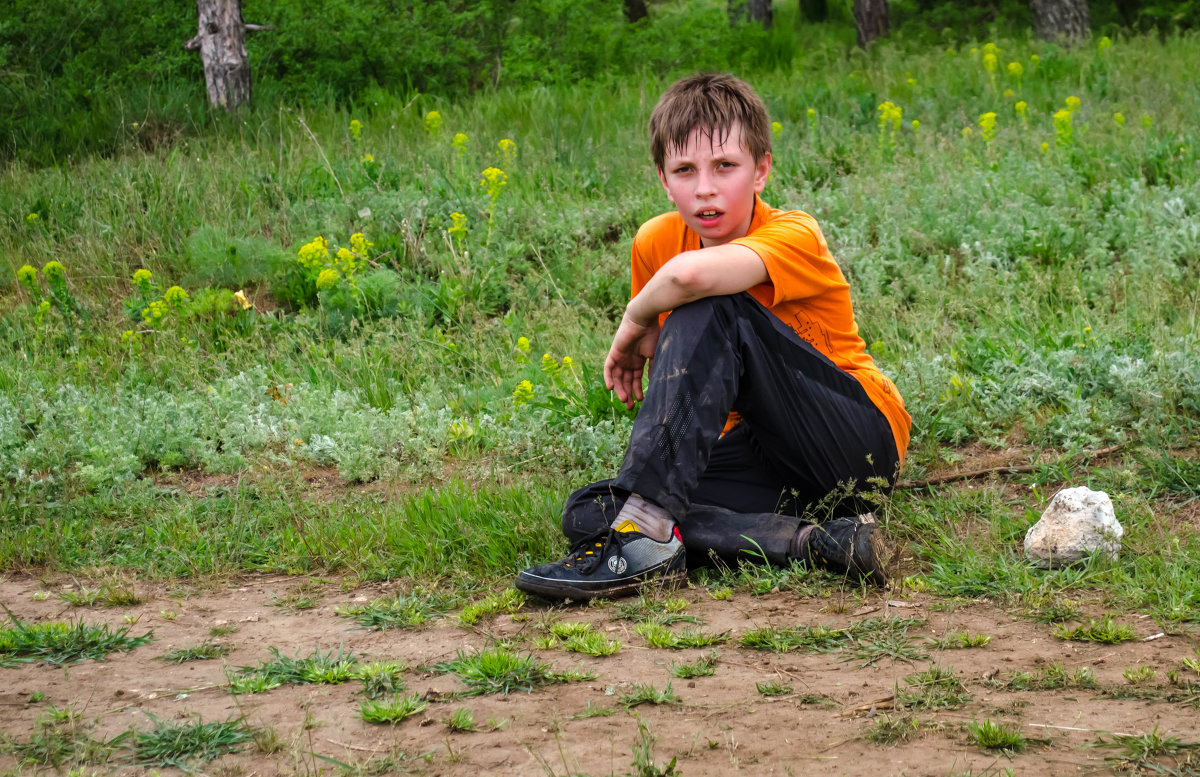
(1005, 469)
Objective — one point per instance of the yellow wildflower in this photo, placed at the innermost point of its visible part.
(568, 363)
(458, 226)
(53, 271)
(776, 129)
(459, 141)
(1119, 118)
(367, 159)
(1045, 146)
(313, 255)
(890, 114)
(32, 218)
(494, 179)
(1147, 120)
(433, 122)
(987, 125)
(175, 296)
(355, 128)
(522, 393)
(989, 62)
(345, 261)
(912, 82)
(916, 125)
(1020, 108)
(967, 132)
(522, 356)
(1008, 93)
(360, 244)
(1016, 70)
(811, 113)
(1104, 45)
(1072, 103)
(141, 277)
(327, 279)
(154, 312)
(27, 276)
(240, 296)
(550, 365)
(508, 150)
(1035, 60)
(1063, 132)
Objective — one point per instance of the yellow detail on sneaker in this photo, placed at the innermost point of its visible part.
(627, 526)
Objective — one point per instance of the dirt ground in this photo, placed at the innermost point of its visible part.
(721, 724)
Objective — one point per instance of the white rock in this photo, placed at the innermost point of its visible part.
(1078, 523)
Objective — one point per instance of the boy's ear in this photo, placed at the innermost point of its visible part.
(762, 169)
(662, 178)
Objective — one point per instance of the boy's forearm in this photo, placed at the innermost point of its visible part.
(694, 275)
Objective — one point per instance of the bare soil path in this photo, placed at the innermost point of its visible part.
(721, 724)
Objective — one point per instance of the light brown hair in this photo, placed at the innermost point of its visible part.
(713, 102)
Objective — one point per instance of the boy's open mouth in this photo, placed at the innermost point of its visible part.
(708, 216)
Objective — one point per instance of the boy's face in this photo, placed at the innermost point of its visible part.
(713, 184)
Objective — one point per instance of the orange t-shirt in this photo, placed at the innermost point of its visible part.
(807, 291)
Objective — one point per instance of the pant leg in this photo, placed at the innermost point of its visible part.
(809, 422)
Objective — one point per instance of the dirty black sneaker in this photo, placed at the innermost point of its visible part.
(851, 547)
(611, 562)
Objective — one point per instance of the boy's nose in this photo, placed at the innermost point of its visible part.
(704, 184)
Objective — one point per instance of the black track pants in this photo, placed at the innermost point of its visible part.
(809, 444)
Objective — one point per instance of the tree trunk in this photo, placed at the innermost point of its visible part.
(1054, 19)
(871, 19)
(635, 10)
(757, 10)
(814, 10)
(221, 42)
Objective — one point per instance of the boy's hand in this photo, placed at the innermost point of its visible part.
(632, 346)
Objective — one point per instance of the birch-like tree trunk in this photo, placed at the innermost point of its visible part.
(871, 19)
(1065, 19)
(221, 42)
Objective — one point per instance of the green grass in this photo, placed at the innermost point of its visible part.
(935, 688)
(1048, 678)
(507, 601)
(705, 666)
(810, 639)
(893, 729)
(107, 595)
(499, 670)
(381, 678)
(1152, 753)
(403, 611)
(318, 668)
(61, 643)
(959, 639)
(203, 652)
(1023, 300)
(1106, 631)
(186, 745)
(773, 688)
(61, 738)
(991, 735)
(645, 693)
(461, 720)
(876, 639)
(391, 710)
(660, 636)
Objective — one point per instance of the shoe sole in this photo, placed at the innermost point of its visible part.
(549, 588)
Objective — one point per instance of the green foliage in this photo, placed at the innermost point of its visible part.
(498, 670)
(1106, 631)
(60, 643)
(644, 693)
(203, 652)
(328, 668)
(403, 611)
(997, 736)
(391, 710)
(933, 689)
(182, 745)
(705, 666)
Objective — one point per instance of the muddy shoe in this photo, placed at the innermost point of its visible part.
(851, 547)
(609, 563)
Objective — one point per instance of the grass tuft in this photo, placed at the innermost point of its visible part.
(659, 636)
(498, 670)
(935, 688)
(997, 736)
(60, 643)
(203, 652)
(405, 611)
(316, 669)
(1106, 631)
(893, 729)
(644, 693)
(183, 744)
(810, 639)
(773, 688)
(392, 710)
(705, 666)
(508, 601)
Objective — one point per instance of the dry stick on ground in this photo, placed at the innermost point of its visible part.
(1006, 469)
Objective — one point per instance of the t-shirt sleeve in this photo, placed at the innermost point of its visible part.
(796, 257)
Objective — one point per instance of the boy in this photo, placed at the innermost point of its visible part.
(763, 405)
